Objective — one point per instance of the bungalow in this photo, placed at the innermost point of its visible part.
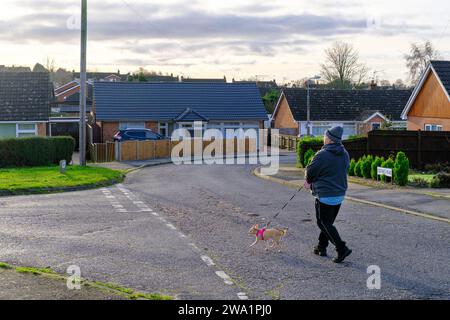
(429, 106)
(165, 106)
(358, 111)
(24, 103)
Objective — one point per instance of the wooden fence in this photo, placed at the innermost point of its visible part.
(102, 152)
(421, 147)
(158, 149)
(286, 142)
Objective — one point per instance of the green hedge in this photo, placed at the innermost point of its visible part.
(377, 162)
(351, 169)
(441, 180)
(366, 167)
(306, 143)
(309, 155)
(401, 169)
(35, 151)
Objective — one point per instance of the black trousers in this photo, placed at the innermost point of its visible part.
(326, 215)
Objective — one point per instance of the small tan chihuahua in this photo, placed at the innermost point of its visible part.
(272, 236)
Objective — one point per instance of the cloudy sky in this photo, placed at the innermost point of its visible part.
(281, 39)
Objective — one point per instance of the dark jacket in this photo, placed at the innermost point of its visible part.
(328, 170)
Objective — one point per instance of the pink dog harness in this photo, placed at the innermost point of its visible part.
(260, 233)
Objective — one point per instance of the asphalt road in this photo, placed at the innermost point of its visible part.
(158, 231)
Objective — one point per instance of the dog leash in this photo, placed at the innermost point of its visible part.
(284, 206)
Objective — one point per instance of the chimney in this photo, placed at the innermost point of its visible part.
(372, 85)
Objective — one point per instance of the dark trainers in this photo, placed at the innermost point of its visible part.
(342, 255)
(319, 251)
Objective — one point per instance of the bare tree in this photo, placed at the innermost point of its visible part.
(418, 58)
(385, 83)
(50, 65)
(342, 68)
(399, 84)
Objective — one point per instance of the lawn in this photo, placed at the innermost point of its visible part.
(425, 176)
(44, 178)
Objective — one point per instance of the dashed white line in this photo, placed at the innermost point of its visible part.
(209, 262)
(144, 208)
(242, 296)
(171, 226)
(226, 278)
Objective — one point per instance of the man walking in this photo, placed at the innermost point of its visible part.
(326, 175)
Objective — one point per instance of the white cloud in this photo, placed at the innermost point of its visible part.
(281, 38)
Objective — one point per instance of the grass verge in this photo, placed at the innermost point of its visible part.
(49, 179)
(107, 287)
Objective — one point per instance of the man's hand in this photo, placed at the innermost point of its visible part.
(307, 185)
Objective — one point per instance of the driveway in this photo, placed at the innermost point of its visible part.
(182, 230)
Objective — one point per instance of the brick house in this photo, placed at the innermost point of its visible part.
(358, 111)
(24, 104)
(166, 106)
(429, 106)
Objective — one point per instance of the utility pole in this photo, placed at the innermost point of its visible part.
(83, 83)
(308, 105)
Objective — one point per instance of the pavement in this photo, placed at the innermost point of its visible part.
(183, 231)
(431, 202)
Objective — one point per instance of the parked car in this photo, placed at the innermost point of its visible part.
(137, 134)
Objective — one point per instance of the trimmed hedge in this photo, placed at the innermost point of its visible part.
(357, 170)
(309, 155)
(389, 163)
(306, 143)
(401, 169)
(441, 180)
(35, 151)
(366, 167)
(351, 169)
(377, 162)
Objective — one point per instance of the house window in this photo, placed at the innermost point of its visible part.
(349, 130)
(7, 130)
(433, 127)
(163, 129)
(376, 125)
(131, 125)
(319, 130)
(26, 130)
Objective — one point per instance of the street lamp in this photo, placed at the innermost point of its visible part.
(308, 105)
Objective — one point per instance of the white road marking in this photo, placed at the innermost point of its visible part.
(226, 278)
(242, 296)
(209, 262)
(155, 214)
(171, 226)
(194, 246)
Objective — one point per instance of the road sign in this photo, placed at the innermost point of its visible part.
(385, 171)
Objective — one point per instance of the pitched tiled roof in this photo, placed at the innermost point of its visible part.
(442, 69)
(346, 105)
(190, 115)
(220, 80)
(14, 69)
(100, 75)
(118, 101)
(25, 96)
